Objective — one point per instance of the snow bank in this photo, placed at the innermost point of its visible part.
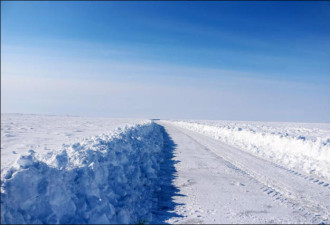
(297, 146)
(44, 133)
(106, 179)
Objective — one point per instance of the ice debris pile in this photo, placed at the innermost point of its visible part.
(298, 146)
(106, 179)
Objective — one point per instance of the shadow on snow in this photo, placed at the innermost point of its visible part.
(166, 205)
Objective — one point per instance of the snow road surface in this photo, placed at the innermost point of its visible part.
(222, 184)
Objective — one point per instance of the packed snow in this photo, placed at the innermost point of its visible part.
(300, 146)
(109, 178)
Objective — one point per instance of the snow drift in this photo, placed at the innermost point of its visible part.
(105, 179)
(45, 133)
(298, 146)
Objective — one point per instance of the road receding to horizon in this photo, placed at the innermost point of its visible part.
(219, 183)
(82, 170)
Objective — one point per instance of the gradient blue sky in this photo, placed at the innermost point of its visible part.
(190, 60)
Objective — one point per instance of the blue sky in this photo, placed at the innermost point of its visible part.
(190, 60)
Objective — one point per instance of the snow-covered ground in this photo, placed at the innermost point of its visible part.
(299, 146)
(109, 178)
(43, 133)
(66, 169)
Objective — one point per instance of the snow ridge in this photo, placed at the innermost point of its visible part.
(110, 178)
(296, 148)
